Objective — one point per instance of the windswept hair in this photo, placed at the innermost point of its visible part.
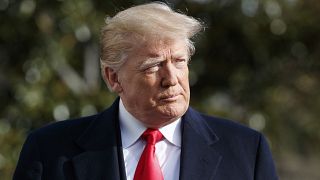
(142, 23)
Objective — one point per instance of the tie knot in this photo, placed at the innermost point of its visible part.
(152, 136)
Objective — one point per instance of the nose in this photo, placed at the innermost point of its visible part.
(169, 75)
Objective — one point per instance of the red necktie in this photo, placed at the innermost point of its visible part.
(148, 167)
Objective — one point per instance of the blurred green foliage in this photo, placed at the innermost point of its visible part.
(257, 62)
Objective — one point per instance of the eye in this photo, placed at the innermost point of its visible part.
(153, 68)
(181, 62)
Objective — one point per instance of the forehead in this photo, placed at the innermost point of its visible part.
(154, 48)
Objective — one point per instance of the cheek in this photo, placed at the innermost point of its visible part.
(184, 78)
(150, 81)
(145, 86)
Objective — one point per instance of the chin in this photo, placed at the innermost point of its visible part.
(173, 111)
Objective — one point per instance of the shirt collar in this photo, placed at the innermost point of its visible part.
(172, 132)
(132, 129)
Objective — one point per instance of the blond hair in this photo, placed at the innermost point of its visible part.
(140, 23)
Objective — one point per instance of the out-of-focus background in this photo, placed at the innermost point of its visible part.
(258, 63)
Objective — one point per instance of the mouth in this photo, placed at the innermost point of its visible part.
(170, 98)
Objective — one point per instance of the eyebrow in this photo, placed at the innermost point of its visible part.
(150, 61)
(154, 58)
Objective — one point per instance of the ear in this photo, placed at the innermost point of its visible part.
(110, 76)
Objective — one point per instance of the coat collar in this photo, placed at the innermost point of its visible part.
(101, 143)
(199, 159)
(103, 132)
(102, 147)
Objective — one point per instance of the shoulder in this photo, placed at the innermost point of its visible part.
(61, 132)
(220, 122)
(222, 125)
(227, 129)
(65, 126)
(239, 145)
(74, 127)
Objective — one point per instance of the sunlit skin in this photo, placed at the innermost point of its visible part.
(153, 83)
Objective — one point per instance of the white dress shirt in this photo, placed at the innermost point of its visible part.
(168, 150)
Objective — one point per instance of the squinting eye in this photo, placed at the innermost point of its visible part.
(152, 69)
(181, 60)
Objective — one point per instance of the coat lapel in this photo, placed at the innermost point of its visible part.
(102, 152)
(199, 159)
(102, 156)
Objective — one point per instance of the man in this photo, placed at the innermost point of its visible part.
(150, 132)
